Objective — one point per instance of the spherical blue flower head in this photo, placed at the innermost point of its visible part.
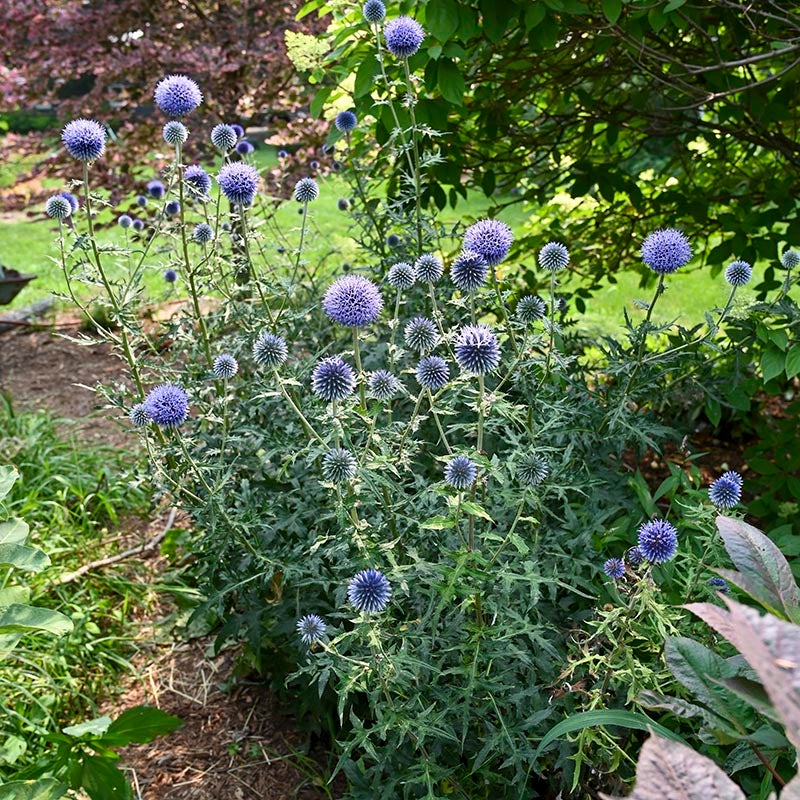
(314, 164)
(225, 366)
(167, 405)
(635, 556)
(84, 139)
(170, 276)
(532, 470)
(790, 259)
(738, 273)
(306, 190)
(238, 130)
(338, 465)
(421, 334)
(489, 238)
(353, 301)
(429, 268)
(403, 36)
(554, 256)
(531, 308)
(198, 181)
(392, 240)
(155, 189)
(71, 199)
(460, 473)
(172, 208)
(726, 491)
(432, 373)
(333, 379)
(177, 95)
(402, 275)
(57, 207)
(346, 121)
(203, 233)
(468, 271)
(141, 200)
(124, 221)
(138, 225)
(311, 629)
(369, 591)
(383, 385)
(223, 137)
(658, 541)
(719, 585)
(244, 148)
(343, 204)
(175, 133)
(374, 11)
(138, 415)
(270, 350)
(614, 568)
(239, 182)
(282, 154)
(666, 251)
(477, 350)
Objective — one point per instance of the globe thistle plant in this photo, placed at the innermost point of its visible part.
(198, 181)
(403, 36)
(477, 350)
(71, 199)
(719, 585)
(141, 200)
(343, 204)
(238, 130)
(392, 240)
(223, 137)
(401, 276)
(369, 591)
(58, 207)
(155, 189)
(553, 256)
(239, 182)
(532, 470)
(614, 568)
(138, 225)
(138, 415)
(333, 379)
(531, 308)
(432, 373)
(203, 233)
(270, 350)
(311, 628)
(790, 259)
(658, 541)
(339, 465)
(177, 95)
(225, 366)
(353, 301)
(346, 121)
(489, 238)
(374, 11)
(383, 385)
(726, 491)
(170, 276)
(124, 221)
(429, 268)
(174, 133)
(421, 335)
(666, 251)
(635, 556)
(468, 271)
(167, 405)
(244, 148)
(172, 208)
(306, 190)
(460, 473)
(738, 273)
(84, 139)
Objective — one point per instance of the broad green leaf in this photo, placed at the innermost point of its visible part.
(7, 644)
(673, 5)
(13, 531)
(44, 789)
(11, 749)
(140, 725)
(8, 475)
(451, 82)
(103, 781)
(92, 727)
(441, 18)
(438, 523)
(18, 618)
(21, 556)
(713, 411)
(773, 362)
(793, 362)
(612, 9)
(365, 76)
(14, 594)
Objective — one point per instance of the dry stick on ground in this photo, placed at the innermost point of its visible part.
(147, 547)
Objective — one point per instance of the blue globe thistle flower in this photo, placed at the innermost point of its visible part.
(167, 405)
(532, 470)
(84, 139)
(138, 415)
(374, 11)
(172, 208)
(635, 556)
(333, 379)
(203, 233)
(282, 154)
(175, 133)
(429, 268)
(401, 276)
(726, 491)
(353, 301)
(197, 180)
(468, 271)
(489, 238)
(346, 121)
(369, 591)
(239, 182)
(238, 130)
(421, 335)
(339, 465)
(306, 190)
(244, 148)
(790, 259)
(383, 385)
(460, 472)
(314, 165)
(138, 225)
(477, 350)
(719, 585)
(225, 366)
(432, 373)
(124, 221)
(403, 36)
(223, 137)
(72, 200)
(531, 308)
(57, 207)
(270, 350)
(561, 304)
(343, 204)
(554, 256)
(658, 541)
(311, 628)
(141, 200)
(177, 95)
(614, 568)
(738, 273)
(392, 240)
(666, 251)
(170, 276)
(155, 189)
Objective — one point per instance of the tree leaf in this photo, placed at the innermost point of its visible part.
(365, 76)
(140, 725)
(612, 9)
(793, 365)
(441, 17)
(451, 82)
(773, 362)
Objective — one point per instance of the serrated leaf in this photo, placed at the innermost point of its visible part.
(475, 509)
(140, 725)
(92, 727)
